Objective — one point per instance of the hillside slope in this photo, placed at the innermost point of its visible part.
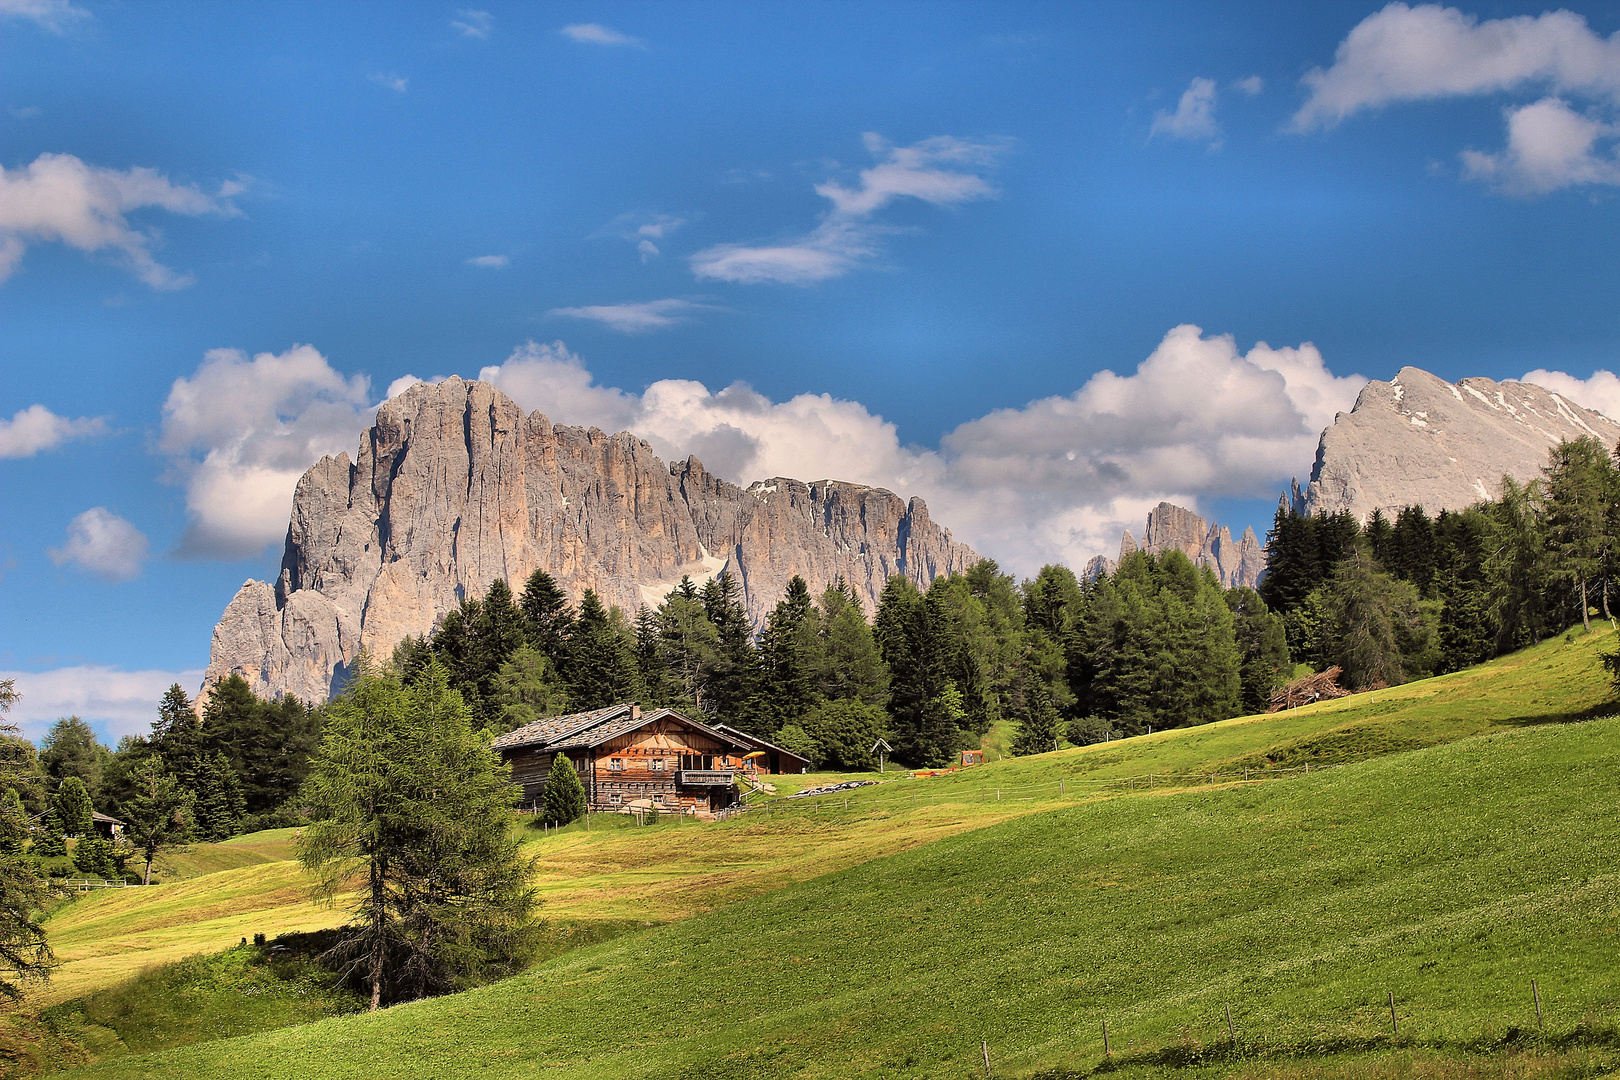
(1449, 876)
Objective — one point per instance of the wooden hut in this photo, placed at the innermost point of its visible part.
(770, 757)
(624, 755)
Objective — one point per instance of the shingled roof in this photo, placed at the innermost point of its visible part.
(586, 729)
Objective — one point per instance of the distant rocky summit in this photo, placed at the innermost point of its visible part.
(1171, 527)
(1418, 439)
(454, 487)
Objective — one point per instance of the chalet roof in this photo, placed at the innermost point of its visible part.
(758, 743)
(97, 815)
(587, 729)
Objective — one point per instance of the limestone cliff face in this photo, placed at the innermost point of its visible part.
(1234, 562)
(1418, 439)
(454, 486)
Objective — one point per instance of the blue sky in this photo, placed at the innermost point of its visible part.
(921, 235)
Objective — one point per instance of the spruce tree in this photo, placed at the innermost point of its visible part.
(159, 814)
(843, 734)
(565, 795)
(528, 689)
(733, 676)
(92, 856)
(1580, 488)
(601, 663)
(49, 841)
(1037, 719)
(407, 797)
(13, 824)
(71, 748)
(73, 808)
(790, 657)
(1369, 608)
(547, 619)
(687, 646)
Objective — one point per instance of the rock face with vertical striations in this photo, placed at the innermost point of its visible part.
(1233, 563)
(1419, 440)
(454, 486)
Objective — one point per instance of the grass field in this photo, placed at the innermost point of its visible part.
(623, 875)
(1449, 876)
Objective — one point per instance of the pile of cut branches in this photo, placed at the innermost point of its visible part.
(1319, 687)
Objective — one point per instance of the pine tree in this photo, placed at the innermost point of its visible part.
(659, 687)
(908, 642)
(13, 824)
(851, 666)
(159, 814)
(218, 809)
(92, 856)
(1037, 719)
(71, 748)
(733, 676)
(790, 657)
(73, 808)
(1369, 608)
(1411, 549)
(601, 663)
(842, 734)
(49, 841)
(407, 797)
(1579, 490)
(565, 795)
(25, 955)
(1264, 646)
(688, 646)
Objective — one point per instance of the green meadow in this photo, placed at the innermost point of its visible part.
(1452, 840)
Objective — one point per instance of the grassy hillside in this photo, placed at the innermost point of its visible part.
(1449, 876)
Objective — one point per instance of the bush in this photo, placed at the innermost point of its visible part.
(93, 857)
(285, 816)
(843, 732)
(1085, 730)
(796, 740)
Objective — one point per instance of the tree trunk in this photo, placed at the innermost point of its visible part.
(1586, 611)
(146, 878)
(1606, 614)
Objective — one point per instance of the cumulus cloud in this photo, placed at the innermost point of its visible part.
(472, 23)
(101, 543)
(637, 318)
(1430, 52)
(489, 262)
(53, 15)
(240, 431)
(1251, 86)
(399, 84)
(59, 198)
(1549, 146)
(1054, 479)
(36, 428)
(942, 171)
(597, 34)
(116, 703)
(1601, 392)
(1194, 117)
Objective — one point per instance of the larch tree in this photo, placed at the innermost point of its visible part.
(160, 813)
(412, 815)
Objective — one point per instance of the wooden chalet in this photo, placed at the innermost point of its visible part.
(660, 758)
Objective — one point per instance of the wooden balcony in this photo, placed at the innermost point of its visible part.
(705, 778)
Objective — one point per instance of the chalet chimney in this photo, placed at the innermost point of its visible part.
(635, 711)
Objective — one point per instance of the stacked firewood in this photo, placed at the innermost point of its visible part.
(1319, 687)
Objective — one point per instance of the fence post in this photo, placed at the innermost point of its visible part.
(984, 1048)
(1393, 1023)
(1107, 1051)
(1230, 1034)
(1535, 991)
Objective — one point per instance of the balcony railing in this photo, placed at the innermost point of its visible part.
(705, 777)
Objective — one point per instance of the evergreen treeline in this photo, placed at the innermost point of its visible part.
(1418, 596)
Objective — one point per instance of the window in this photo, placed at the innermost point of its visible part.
(663, 799)
(614, 799)
(656, 764)
(616, 764)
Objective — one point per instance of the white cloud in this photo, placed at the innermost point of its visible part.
(1251, 86)
(473, 23)
(636, 318)
(1194, 117)
(397, 83)
(939, 171)
(116, 703)
(36, 428)
(597, 34)
(1055, 479)
(1550, 146)
(100, 542)
(1600, 392)
(489, 262)
(1414, 53)
(53, 15)
(239, 433)
(642, 230)
(60, 198)
(647, 249)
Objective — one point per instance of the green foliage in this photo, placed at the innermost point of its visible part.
(1263, 643)
(14, 826)
(842, 733)
(407, 798)
(565, 795)
(733, 678)
(1370, 609)
(1037, 721)
(797, 740)
(1159, 646)
(72, 806)
(1582, 488)
(791, 655)
(49, 840)
(93, 857)
(527, 689)
(25, 956)
(70, 748)
(159, 815)
(220, 804)
(548, 620)
(852, 667)
(601, 667)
